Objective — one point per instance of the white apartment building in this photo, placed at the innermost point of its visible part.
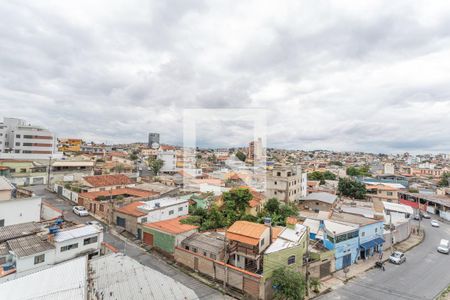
(170, 161)
(20, 140)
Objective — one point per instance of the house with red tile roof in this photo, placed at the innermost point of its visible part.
(106, 182)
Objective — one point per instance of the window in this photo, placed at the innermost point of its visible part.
(353, 234)
(341, 238)
(204, 253)
(17, 144)
(27, 136)
(275, 183)
(376, 230)
(16, 151)
(363, 234)
(2, 222)
(18, 136)
(101, 207)
(186, 247)
(194, 250)
(330, 238)
(69, 247)
(278, 173)
(180, 208)
(291, 260)
(389, 193)
(170, 212)
(262, 242)
(213, 256)
(39, 259)
(28, 144)
(90, 240)
(144, 220)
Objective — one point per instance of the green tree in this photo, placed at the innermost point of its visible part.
(351, 188)
(240, 197)
(155, 165)
(336, 163)
(241, 156)
(361, 171)
(445, 180)
(321, 176)
(119, 168)
(289, 284)
(272, 206)
(133, 156)
(315, 284)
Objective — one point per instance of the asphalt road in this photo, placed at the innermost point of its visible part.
(203, 291)
(423, 276)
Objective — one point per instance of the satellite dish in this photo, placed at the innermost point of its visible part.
(155, 145)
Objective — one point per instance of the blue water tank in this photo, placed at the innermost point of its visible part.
(8, 266)
(53, 229)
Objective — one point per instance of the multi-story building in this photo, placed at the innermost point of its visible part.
(153, 140)
(169, 159)
(19, 140)
(286, 183)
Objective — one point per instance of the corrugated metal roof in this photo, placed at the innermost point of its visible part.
(76, 232)
(116, 276)
(18, 230)
(29, 245)
(65, 281)
(321, 196)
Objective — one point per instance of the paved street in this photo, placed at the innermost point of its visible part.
(425, 273)
(203, 291)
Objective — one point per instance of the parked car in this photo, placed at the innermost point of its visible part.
(443, 246)
(95, 223)
(397, 257)
(425, 215)
(80, 210)
(434, 223)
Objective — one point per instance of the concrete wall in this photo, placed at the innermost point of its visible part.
(49, 212)
(22, 210)
(370, 232)
(66, 193)
(252, 285)
(350, 246)
(130, 222)
(69, 254)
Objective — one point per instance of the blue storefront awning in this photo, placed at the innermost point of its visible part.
(372, 243)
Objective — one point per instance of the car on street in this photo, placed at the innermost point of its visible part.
(96, 223)
(443, 246)
(80, 210)
(434, 223)
(425, 215)
(397, 257)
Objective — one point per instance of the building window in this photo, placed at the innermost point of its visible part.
(194, 250)
(170, 212)
(90, 240)
(213, 256)
(39, 259)
(363, 234)
(17, 144)
(389, 193)
(291, 260)
(204, 253)
(376, 230)
(2, 222)
(69, 247)
(186, 247)
(278, 173)
(262, 242)
(101, 207)
(180, 208)
(275, 183)
(18, 136)
(16, 151)
(144, 220)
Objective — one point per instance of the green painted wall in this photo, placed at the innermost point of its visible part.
(279, 259)
(163, 241)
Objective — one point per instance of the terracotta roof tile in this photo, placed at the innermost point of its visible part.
(246, 232)
(116, 192)
(171, 226)
(107, 180)
(131, 209)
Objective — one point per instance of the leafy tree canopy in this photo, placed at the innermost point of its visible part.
(289, 284)
(351, 188)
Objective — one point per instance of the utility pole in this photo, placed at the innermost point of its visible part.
(49, 170)
(307, 262)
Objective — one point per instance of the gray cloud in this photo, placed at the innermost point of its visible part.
(369, 76)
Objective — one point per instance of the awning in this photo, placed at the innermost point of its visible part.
(372, 243)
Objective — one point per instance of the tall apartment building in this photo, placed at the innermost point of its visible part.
(255, 150)
(19, 140)
(286, 183)
(153, 140)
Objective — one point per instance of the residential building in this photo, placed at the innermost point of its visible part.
(286, 183)
(169, 159)
(255, 150)
(106, 182)
(370, 233)
(208, 244)
(153, 140)
(69, 145)
(166, 235)
(343, 238)
(25, 172)
(434, 204)
(21, 140)
(389, 168)
(287, 250)
(382, 192)
(247, 242)
(316, 202)
(16, 208)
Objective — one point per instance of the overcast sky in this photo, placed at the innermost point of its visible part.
(345, 75)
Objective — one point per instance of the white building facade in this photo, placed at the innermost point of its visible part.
(163, 209)
(20, 140)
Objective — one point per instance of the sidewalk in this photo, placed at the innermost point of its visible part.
(340, 277)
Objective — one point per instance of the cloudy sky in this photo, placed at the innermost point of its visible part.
(345, 75)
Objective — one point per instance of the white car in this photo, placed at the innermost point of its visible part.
(443, 246)
(95, 223)
(434, 223)
(397, 257)
(80, 210)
